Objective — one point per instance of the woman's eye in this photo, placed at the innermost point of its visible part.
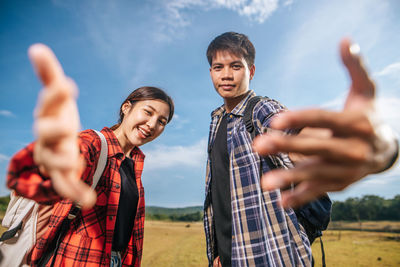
(147, 112)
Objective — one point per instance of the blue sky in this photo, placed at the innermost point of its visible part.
(112, 47)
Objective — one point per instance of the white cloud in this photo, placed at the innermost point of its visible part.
(254, 10)
(288, 2)
(163, 157)
(6, 113)
(4, 158)
(390, 70)
(258, 10)
(178, 122)
(324, 24)
(336, 103)
(388, 109)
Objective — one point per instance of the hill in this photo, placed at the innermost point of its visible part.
(151, 210)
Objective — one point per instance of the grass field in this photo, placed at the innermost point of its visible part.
(176, 244)
(183, 244)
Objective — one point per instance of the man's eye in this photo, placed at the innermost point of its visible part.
(236, 67)
(217, 67)
(162, 122)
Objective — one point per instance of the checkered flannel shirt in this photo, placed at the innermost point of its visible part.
(88, 241)
(263, 234)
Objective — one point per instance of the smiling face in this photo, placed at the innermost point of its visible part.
(231, 77)
(143, 122)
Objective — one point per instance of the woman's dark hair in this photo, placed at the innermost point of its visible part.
(235, 43)
(146, 93)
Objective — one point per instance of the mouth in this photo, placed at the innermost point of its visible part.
(143, 133)
(227, 86)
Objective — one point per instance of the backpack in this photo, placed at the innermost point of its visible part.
(314, 216)
(21, 218)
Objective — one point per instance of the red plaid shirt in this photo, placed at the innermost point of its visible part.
(89, 239)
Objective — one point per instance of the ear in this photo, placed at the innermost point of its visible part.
(126, 107)
(252, 71)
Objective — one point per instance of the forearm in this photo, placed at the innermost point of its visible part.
(26, 180)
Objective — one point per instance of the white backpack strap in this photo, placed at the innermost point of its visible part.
(18, 208)
(101, 163)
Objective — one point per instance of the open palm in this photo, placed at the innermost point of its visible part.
(339, 148)
(56, 126)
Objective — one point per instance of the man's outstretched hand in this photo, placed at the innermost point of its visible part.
(56, 126)
(336, 148)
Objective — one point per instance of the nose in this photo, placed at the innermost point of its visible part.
(227, 74)
(151, 123)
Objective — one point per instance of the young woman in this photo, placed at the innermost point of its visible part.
(57, 170)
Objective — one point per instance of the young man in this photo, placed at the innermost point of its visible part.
(245, 226)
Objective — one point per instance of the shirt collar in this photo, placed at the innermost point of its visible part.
(239, 109)
(114, 149)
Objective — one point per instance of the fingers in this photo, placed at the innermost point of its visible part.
(340, 123)
(302, 194)
(362, 90)
(217, 262)
(51, 131)
(338, 150)
(312, 178)
(71, 187)
(45, 64)
(53, 98)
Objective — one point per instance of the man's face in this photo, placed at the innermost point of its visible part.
(230, 75)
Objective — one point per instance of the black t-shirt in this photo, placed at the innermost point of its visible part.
(221, 193)
(128, 202)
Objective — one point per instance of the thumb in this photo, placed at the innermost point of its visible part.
(362, 90)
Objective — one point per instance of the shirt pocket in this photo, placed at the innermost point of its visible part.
(92, 223)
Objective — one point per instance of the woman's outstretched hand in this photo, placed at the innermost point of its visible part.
(337, 148)
(56, 126)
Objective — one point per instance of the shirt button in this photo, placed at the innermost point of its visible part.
(230, 116)
(110, 218)
(233, 237)
(117, 186)
(229, 132)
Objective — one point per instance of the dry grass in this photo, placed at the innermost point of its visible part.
(174, 244)
(357, 248)
(367, 225)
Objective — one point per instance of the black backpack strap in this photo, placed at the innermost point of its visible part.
(11, 232)
(248, 115)
(319, 209)
(251, 128)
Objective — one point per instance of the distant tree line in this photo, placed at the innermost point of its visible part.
(190, 217)
(367, 208)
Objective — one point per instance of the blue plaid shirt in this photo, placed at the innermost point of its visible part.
(263, 234)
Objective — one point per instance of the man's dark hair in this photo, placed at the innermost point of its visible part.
(235, 43)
